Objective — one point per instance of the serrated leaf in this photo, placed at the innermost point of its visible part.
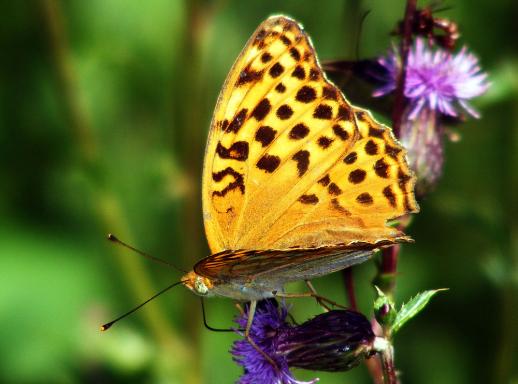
(413, 307)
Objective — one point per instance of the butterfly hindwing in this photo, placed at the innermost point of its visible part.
(246, 266)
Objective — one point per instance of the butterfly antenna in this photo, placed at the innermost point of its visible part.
(359, 34)
(107, 326)
(116, 240)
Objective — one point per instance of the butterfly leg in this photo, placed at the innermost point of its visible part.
(310, 294)
(251, 312)
(240, 309)
(319, 301)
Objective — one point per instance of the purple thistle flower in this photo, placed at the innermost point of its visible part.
(435, 79)
(333, 341)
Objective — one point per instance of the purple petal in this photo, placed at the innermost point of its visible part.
(436, 78)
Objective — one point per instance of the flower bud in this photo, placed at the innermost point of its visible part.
(337, 340)
(423, 138)
(384, 309)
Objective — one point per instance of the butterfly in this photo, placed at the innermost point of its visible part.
(297, 182)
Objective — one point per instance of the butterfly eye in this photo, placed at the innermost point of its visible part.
(200, 287)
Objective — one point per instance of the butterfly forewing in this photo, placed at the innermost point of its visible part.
(290, 163)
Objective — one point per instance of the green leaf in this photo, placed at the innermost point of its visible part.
(413, 307)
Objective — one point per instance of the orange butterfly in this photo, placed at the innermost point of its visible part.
(297, 182)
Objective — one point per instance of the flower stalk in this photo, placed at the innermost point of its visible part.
(387, 363)
(399, 100)
(389, 257)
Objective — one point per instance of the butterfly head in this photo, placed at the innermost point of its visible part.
(200, 285)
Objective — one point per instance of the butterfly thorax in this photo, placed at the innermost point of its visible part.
(204, 286)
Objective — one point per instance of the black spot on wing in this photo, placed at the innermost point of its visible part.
(376, 132)
(306, 94)
(371, 148)
(364, 198)
(281, 88)
(340, 132)
(403, 179)
(285, 40)
(357, 176)
(314, 74)
(248, 75)
(266, 57)
(302, 159)
(276, 70)
(287, 27)
(350, 158)
(324, 142)
(299, 73)
(294, 53)
(299, 131)
(265, 135)
(237, 151)
(390, 196)
(325, 180)
(224, 125)
(323, 111)
(237, 122)
(237, 183)
(268, 163)
(392, 151)
(360, 115)
(381, 168)
(334, 189)
(344, 113)
(330, 93)
(262, 109)
(309, 199)
(284, 112)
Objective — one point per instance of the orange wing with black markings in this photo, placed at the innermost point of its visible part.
(290, 164)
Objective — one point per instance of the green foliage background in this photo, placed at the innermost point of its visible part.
(104, 110)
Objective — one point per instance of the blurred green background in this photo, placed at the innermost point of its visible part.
(104, 108)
